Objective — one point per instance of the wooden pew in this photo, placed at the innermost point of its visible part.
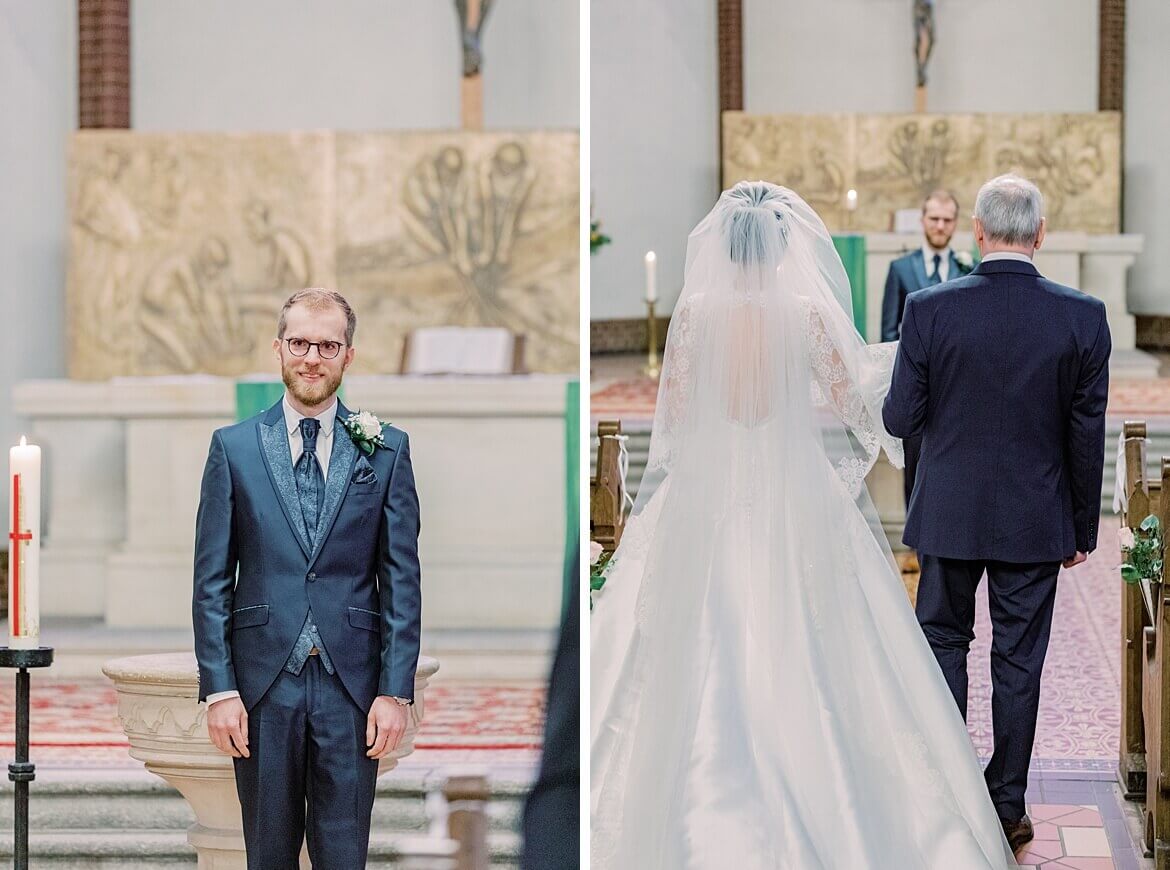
(1144, 768)
(607, 518)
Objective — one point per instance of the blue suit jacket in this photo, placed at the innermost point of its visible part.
(256, 576)
(1005, 375)
(908, 274)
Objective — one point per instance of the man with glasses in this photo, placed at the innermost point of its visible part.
(306, 600)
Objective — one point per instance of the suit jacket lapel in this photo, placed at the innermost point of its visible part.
(278, 461)
(342, 460)
(920, 269)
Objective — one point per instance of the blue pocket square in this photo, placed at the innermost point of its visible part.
(363, 472)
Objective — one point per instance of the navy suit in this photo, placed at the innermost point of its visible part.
(1005, 375)
(257, 573)
(909, 274)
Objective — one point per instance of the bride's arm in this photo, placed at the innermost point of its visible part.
(854, 384)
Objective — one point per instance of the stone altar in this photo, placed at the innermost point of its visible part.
(124, 459)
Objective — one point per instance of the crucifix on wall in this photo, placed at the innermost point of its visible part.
(923, 46)
(472, 15)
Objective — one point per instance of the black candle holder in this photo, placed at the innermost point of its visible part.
(22, 771)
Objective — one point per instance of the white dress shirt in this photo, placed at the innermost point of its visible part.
(944, 263)
(1006, 255)
(292, 425)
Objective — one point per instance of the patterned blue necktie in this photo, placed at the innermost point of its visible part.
(310, 483)
(311, 493)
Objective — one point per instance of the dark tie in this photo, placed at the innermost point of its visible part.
(310, 485)
(935, 276)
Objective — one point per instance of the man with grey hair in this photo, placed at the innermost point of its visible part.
(1005, 376)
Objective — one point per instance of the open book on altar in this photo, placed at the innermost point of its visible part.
(457, 350)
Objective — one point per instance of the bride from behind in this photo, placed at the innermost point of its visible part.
(762, 695)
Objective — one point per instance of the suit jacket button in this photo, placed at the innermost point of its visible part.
(312, 576)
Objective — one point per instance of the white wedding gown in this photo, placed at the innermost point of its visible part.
(762, 695)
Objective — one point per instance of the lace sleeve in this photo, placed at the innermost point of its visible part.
(855, 392)
(675, 388)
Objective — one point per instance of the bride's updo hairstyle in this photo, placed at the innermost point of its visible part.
(756, 228)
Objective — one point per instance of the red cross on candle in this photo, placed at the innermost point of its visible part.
(16, 536)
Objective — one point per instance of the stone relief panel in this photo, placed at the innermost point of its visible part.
(894, 160)
(183, 247)
(466, 229)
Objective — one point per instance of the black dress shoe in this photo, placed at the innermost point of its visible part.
(1019, 833)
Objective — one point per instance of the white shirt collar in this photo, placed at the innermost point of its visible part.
(928, 257)
(1006, 255)
(293, 417)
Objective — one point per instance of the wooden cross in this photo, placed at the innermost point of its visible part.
(472, 15)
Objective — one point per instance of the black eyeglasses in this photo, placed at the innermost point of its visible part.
(326, 349)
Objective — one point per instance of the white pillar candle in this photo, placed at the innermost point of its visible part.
(24, 546)
(851, 200)
(651, 283)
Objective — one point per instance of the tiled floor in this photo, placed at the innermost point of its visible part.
(1080, 823)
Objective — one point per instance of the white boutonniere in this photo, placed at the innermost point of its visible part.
(366, 431)
(965, 260)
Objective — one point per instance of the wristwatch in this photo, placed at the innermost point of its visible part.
(402, 702)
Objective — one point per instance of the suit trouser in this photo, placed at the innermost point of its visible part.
(308, 778)
(1021, 598)
(912, 447)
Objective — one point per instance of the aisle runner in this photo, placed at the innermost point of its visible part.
(1079, 725)
(74, 724)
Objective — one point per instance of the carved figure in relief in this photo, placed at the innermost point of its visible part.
(1064, 169)
(189, 312)
(287, 265)
(110, 228)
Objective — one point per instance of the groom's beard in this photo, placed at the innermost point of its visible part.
(310, 393)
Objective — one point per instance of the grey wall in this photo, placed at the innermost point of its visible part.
(856, 56)
(347, 64)
(654, 142)
(38, 110)
(1147, 153)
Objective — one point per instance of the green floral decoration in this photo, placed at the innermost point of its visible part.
(1142, 549)
(597, 239)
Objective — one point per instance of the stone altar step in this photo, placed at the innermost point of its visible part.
(164, 850)
(132, 819)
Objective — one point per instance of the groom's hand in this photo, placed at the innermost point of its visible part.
(227, 723)
(385, 726)
(1075, 560)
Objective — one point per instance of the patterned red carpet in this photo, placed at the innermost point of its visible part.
(633, 399)
(74, 724)
(1080, 697)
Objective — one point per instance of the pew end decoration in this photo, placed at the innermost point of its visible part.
(1144, 751)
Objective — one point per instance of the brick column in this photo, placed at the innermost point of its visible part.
(1111, 56)
(103, 68)
(730, 24)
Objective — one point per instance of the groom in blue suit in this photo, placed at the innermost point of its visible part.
(306, 600)
(924, 267)
(1005, 376)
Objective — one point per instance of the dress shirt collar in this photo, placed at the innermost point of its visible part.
(293, 417)
(1006, 255)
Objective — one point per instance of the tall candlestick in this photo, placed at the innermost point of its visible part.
(651, 275)
(24, 546)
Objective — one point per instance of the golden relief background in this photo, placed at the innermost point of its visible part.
(183, 247)
(893, 161)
